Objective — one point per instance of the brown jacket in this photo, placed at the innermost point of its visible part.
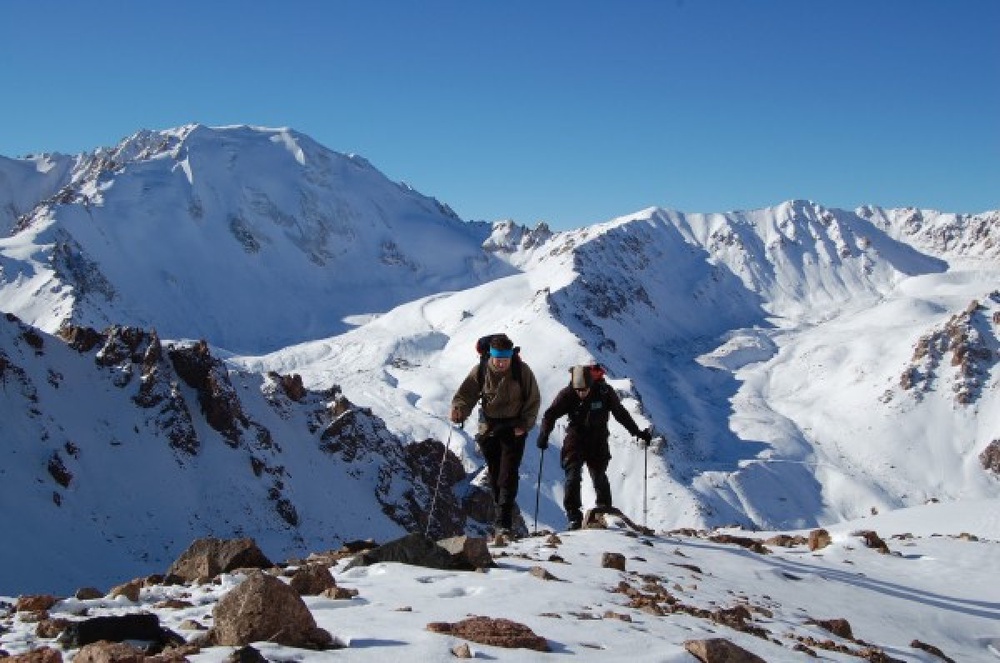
(503, 399)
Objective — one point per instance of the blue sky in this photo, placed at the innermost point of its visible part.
(570, 112)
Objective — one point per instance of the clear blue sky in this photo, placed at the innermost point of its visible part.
(567, 111)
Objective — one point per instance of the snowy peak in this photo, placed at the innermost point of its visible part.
(190, 230)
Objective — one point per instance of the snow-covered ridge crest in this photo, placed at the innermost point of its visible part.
(795, 260)
(192, 227)
(941, 234)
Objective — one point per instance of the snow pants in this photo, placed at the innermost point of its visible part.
(503, 451)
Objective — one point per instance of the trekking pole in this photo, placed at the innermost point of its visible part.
(437, 485)
(538, 488)
(645, 465)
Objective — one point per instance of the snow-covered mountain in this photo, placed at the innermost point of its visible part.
(805, 365)
(246, 237)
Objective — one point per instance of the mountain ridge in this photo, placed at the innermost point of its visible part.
(743, 337)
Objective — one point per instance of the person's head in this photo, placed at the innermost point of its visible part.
(501, 352)
(581, 379)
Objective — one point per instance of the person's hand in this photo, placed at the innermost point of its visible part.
(646, 436)
(543, 441)
(457, 416)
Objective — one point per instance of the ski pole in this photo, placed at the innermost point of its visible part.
(538, 488)
(645, 465)
(437, 486)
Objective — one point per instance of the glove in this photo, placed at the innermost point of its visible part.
(543, 441)
(457, 416)
(646, 436)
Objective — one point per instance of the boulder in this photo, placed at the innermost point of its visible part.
(208, 557)
(468, 552)
(312, 580)
(720, 650)
(263, 607)
(495, 632)
(414, 549)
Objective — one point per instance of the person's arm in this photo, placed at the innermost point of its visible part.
(529, 411)
(466, 397)
(620, 413)
(557, 409)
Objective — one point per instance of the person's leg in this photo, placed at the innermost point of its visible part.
(598, 470)
(511, 452)
(571, 498)
(490, 447)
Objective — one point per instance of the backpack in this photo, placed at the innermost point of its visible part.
(483, 349)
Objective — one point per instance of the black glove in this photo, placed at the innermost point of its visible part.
(646, 436)
(543, 441)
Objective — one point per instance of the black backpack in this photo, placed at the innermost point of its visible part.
(483, 349)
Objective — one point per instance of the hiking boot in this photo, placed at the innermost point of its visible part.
(575, 524)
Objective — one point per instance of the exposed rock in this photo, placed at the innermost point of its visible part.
(216, 395)
(339, 593)
(786, 541)
(461, 650)
(262, 607)
(468, 552)
(129, 590)
(40, 655)
(613, 560)
(246, 654)
(140, 626)
(720, 650)
(81, 339)
(415, 549)
(109, 652)
(966, 337)
(743, 541)
(312, 580)
(873, 541)
(51, 628)
(839, 627)
(917, 644)
(291, 385)
(35, 603)
(209, 557)
(495, 632)
(541, 572)
(990, 457)
(88, 593)
(819, 539)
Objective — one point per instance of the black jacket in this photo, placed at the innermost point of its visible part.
(587, 430)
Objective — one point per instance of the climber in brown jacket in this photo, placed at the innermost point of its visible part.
(510, 401)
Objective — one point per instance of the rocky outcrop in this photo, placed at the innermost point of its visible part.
(967, 343)
(990, 457)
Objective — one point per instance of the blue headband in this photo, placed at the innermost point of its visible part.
(501, 354)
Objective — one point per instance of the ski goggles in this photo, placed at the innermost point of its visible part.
(497, 353)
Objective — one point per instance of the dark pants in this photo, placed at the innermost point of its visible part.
(503, 451)
(597, 468)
